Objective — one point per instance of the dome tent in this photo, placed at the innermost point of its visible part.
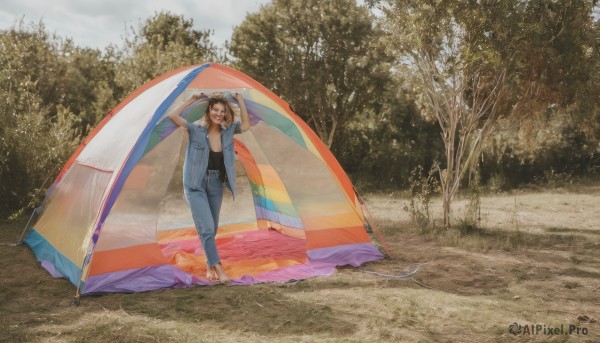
(115, 219)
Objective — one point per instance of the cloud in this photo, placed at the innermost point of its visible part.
(98, 23)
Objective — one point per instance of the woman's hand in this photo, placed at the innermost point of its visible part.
(198, 96)
(174, 115)
(239, 97)
(245, 123)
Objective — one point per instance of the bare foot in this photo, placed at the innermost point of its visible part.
(211, 274)
(223, 278)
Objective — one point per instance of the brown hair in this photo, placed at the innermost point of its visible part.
(218, 99)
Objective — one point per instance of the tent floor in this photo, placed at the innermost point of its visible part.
(243, 253)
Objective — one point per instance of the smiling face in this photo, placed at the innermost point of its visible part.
(217, 114)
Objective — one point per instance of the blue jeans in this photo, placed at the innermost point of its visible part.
(205, 204)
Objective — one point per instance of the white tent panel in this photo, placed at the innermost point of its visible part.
(111, 146)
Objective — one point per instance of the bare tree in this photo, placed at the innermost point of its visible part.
(461, 89)
(466, 105)
(475, 61)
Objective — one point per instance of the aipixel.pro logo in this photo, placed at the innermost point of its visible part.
(548, 330)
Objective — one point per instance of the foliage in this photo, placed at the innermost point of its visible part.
(379, 150)
(38, 132)
(474, 62)
(90, 88)
(422, 188)
(160, 44)
(470, 219)
(557, 148)
(319, 56)
(462, 89)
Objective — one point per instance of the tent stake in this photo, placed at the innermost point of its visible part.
(75, 301)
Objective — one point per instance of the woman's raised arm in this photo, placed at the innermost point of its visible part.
(245, 124)
(175, 115)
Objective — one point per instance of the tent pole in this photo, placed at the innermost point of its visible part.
(371, 223)
(36, 211)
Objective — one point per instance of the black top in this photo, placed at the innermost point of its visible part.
(216, 162)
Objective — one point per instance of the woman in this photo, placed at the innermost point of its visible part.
(209, 165)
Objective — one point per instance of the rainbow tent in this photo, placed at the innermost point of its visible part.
(115, 219)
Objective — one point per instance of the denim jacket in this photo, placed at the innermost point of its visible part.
(196, 156)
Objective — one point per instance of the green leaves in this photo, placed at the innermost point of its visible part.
(162, 43)
(322, 57)
(48, 87)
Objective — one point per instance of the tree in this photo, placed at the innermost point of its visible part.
(380, 149)
(162, 43)
(476, 61)
(319, 56)
(38, 132)
(90, 88)
(461, 89)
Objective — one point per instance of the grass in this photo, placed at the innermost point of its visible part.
(571, 231)
(473, 282)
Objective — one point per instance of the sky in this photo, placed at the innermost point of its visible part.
(98, 23)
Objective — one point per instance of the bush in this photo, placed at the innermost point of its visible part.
(422, 188)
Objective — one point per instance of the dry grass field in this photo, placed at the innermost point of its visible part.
(535, 262)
